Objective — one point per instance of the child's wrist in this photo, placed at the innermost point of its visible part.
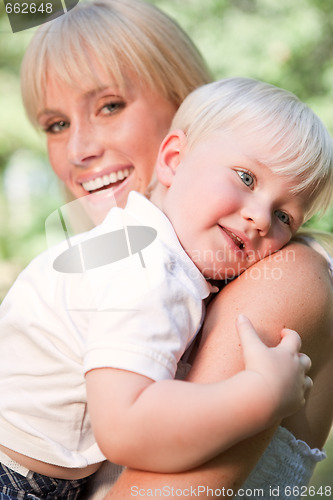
(267, 402)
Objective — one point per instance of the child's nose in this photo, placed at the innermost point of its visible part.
(259, 216)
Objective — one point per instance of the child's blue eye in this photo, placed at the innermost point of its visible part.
(246, 177)
(282, 216)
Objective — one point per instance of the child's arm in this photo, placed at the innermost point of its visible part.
(171, 426)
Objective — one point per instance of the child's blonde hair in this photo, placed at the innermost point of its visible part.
(126, 38)
(301, 145)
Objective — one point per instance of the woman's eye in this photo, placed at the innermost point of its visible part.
(246, 177)
(112, 107)
(283, 216)
(56, 127)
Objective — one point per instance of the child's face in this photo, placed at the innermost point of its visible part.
(229, 210)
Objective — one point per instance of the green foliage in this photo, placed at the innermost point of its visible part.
(323, 472)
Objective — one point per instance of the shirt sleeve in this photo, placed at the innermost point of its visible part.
(145, 316)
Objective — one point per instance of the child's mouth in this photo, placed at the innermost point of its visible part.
(236, 239)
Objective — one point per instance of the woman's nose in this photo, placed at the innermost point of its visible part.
(83, 144)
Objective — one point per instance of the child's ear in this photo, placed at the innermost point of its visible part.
(169, 156)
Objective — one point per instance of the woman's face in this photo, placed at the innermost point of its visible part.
(103, 137)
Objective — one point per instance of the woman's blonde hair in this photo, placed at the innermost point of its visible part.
(300, 144)
(126, 38)
(324, 238)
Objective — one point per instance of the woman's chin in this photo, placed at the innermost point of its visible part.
(98, 204)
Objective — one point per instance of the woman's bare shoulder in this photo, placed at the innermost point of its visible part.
(294, 265)
(291, 289)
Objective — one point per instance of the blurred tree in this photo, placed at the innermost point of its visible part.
(15, 131)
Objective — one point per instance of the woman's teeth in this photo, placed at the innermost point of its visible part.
(106, 180)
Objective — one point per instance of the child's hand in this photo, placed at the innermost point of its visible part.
(283, 368)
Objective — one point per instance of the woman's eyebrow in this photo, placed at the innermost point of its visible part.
(48, 112)
(88, 94)
(97, 90)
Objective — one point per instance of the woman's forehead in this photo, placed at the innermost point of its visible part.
(86, 82)
(61, 88)
(86, 70)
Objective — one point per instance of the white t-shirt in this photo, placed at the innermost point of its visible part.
(137, 307)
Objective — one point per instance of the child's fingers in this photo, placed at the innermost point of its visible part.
(291, 340)
(308, 383)
(305, 362)
(247, 331)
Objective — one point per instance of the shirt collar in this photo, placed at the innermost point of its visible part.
(139, 207)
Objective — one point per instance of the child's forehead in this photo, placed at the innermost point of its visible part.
(254, 147)
(242, 147)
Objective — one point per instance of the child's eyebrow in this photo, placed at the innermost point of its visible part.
(256, 161)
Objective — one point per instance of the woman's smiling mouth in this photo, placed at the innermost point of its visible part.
(99, 183)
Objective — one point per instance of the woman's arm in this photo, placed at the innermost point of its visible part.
(291, 288)
(173, 425)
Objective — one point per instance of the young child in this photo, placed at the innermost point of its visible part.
(243, 166)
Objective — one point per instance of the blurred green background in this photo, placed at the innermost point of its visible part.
(287, 43)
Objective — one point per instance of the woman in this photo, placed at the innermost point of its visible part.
(104, 83)
(142, 64)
